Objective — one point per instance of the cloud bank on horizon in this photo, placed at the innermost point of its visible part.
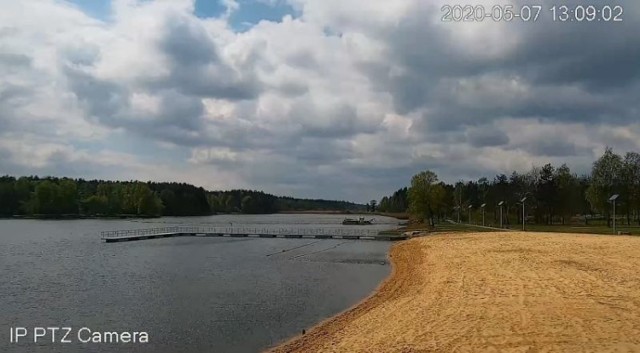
(340, 99)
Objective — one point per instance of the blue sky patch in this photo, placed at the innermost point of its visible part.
(100, 9)
(248, 14)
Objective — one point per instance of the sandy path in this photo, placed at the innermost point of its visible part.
(496, 292)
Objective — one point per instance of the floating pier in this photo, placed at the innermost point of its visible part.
(113, 236)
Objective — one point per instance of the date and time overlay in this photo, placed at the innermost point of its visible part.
(532, 13)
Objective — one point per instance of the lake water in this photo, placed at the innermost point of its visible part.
(189, 294)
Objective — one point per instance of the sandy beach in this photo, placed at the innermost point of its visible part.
(495, 292)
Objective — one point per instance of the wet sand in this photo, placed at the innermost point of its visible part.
(495, 292)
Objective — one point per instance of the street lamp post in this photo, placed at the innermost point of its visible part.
(523, 218)
(482, 206)
(500, 204)
(470, 206)
(613, 199)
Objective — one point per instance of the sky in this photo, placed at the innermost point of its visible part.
(336, 99)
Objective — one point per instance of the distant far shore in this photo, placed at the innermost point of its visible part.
(347, 212)
(75, 216)
(402, 216)
(319, 212)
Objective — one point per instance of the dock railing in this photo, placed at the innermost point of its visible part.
(239, 230)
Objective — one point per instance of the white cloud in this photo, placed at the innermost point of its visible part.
(344, 101)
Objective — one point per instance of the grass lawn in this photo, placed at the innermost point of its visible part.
(440, 227)
(588, 229)
(398, 215)
(453, 227)
(556, 228)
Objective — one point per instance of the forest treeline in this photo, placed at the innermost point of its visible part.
(554, 194)
(50, 196)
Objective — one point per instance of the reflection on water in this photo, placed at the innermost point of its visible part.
(189, 294)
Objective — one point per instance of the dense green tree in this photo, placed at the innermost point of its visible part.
(425, 196)
(553, 194)
(395, 203)
(606, 177)
(54, 196)
(631, 184)
(372, 205)
(95, 205)
(67, 201)
(247, 205)
(44, 198)
(9, 200)
(568, 193)
(149, 204)
(384, 204)
(546, 192)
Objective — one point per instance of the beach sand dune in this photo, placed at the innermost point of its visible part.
(495, 292)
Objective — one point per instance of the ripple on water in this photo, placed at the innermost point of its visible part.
(189, 294)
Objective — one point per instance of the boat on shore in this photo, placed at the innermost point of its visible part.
(357, 222)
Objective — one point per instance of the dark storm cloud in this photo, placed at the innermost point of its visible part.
(598, 60)
(12, 94)
(293, 89)
(304, 60)
(451, 169)
(7, 167)
(487, 136)
(103, 100)
(317, 151)
(209, 81)
(179, 111)
(553, 146)
(299, 149)
(599, 55)
(187, 43)
(196, 68)
(548, 103)
(382, 175)
(196, 71)
(333, 121)
(81, 55)
(109, 103)
(11, 59)
(245, 136)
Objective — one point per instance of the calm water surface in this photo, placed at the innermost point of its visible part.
(189, 294)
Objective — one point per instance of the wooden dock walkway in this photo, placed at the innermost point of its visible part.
(246, 232)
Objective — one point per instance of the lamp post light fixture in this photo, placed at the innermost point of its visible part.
(470, 207)
(613, 199)
(500, 204)
(523, 218)
(482, 207)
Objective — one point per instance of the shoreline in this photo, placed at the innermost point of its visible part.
(399, 216)
(129, 216)
(333, 324)
(498, 291)
(77, 217)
